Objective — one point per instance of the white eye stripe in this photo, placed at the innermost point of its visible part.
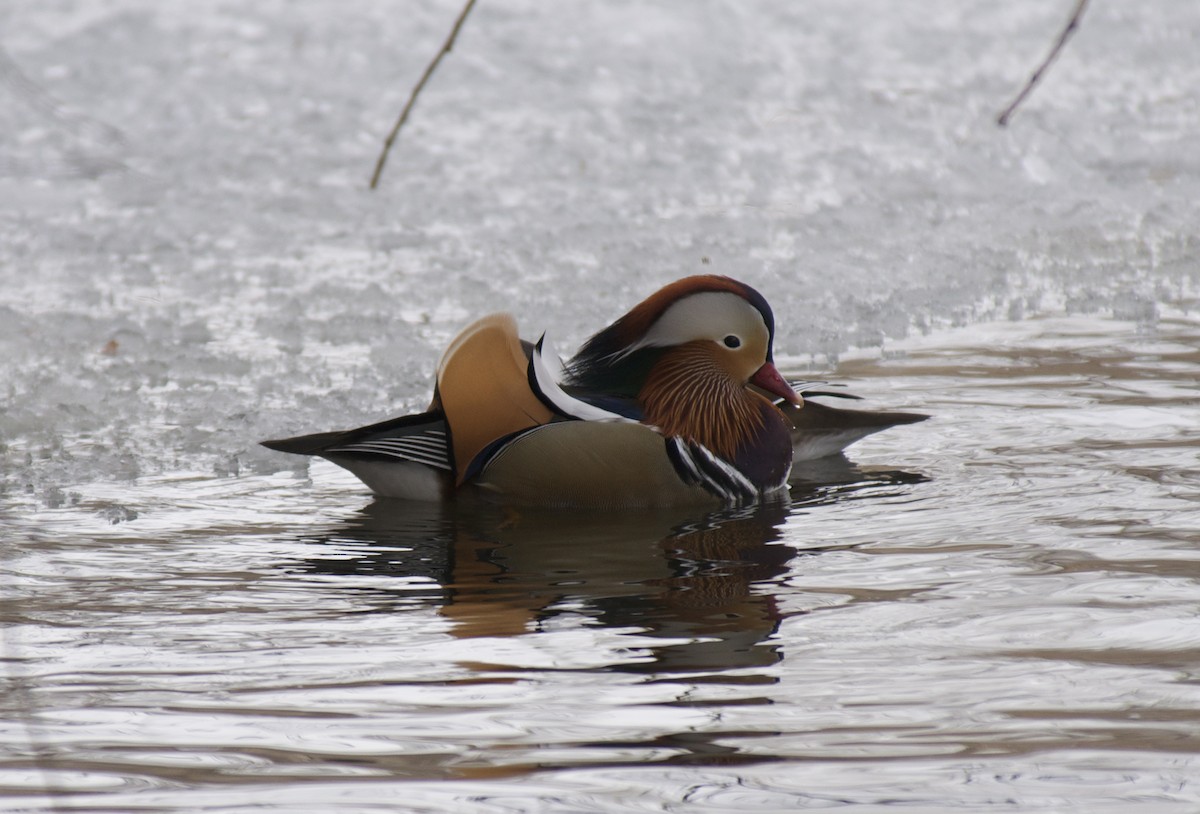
(706, 315)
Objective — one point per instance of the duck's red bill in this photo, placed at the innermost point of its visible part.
(768, 379)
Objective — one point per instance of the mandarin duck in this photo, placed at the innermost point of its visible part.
(677, 402)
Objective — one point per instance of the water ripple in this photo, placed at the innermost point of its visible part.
(956, 619)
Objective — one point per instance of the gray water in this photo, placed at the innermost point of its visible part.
(995, 610)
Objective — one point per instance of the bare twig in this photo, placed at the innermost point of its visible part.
(37, 98)
(412, 99)
(26, 714)
(1072, 24)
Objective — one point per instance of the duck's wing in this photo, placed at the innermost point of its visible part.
(423, 433)
(819, 430)
(407, 457)
(484, 390)
(482, 395)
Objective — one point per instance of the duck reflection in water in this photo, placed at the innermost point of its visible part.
(700, 582)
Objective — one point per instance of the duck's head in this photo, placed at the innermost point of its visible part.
(708, 321)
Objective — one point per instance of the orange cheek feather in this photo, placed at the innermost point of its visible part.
(690, 393)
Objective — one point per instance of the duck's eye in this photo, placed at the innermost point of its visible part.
(732, 341)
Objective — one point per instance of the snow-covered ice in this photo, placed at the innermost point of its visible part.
(190, 259)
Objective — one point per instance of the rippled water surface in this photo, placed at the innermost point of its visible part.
(994, 610)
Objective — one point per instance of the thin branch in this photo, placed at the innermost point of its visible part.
(26, 714)
(412, 99)
(37, 98)
(1072, 24)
